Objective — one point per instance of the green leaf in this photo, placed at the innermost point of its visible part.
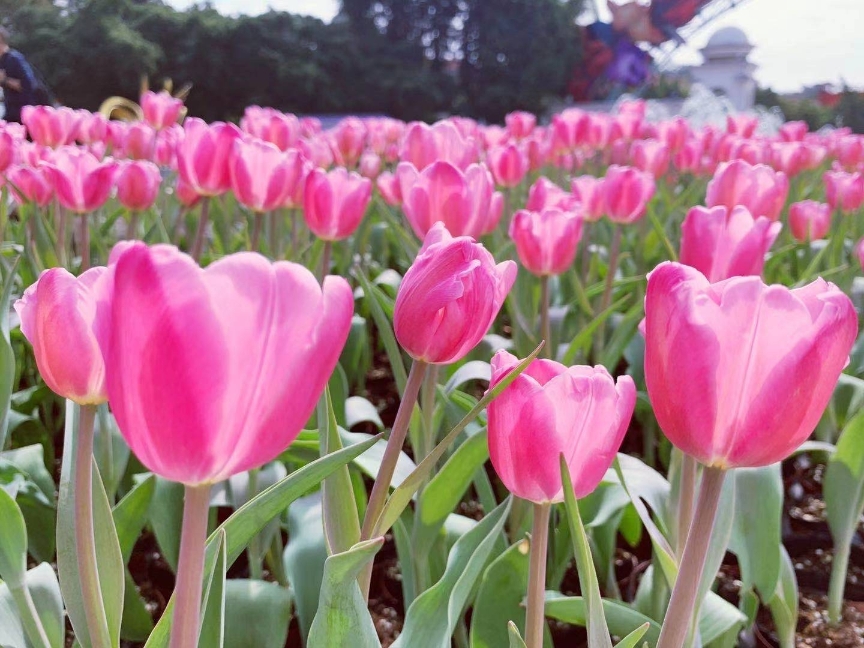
(432, 617)
(130, 514)
(784, 603)
(373, 296)
(36, 504)
(166, 518)
(515, 638)
(718, 618)
(213, 618)
(500, 597)
(247, 521)
(582, 342)
(401, 496)
(343, 618)
(621, 619)
(45, 592)
(257, 614)
(360, 410)
(13, 542)
(7, 354)
(370, 461)
(137, 622)
(470, 371)
(341, 524)
(110, 560)
(446, 490)
(304, 557)
(598, 632)
(632, 639)
(756, 535)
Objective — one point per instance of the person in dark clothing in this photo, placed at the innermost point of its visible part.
(16, 79)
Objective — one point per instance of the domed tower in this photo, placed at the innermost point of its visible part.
(726, 69)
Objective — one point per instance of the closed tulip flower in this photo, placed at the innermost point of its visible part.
(739, 372)
(160, 109)
(65, 319)
(424, 145)
(466, 202)
(334, 202)
(550, 410)
(520, 124)
(49, 126)
(809, 220)
(138, 185)
(449, 297)
(651, 156)
(370, 165)
(721, 243)
(588, 190)
(674, 133)
(509, 165)
(546, 241)
(270, 125)
(8, 149)
(742, 125)
(245, 349)
(92, 128)
(844, 191)
(545, 194)
(203, 156)
(349, 137)
(570, 129)
(626, 192)
(82, 182)
(30, 185)
(262, 176)
(793, 131)
(759, 188)
(139, 142)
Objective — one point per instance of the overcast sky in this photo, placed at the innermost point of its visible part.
(798, 42)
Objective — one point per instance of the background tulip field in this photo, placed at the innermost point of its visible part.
(595, 381)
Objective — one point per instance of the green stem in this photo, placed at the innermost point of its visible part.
(257, 226)
(381, 487)
(85, 541)
(838, 581)
(536, 618)
(611, 269)
(201, 231)
(190, 569)
(676, 625)
(686, 498)
(132, 227)
(33, 627)
(61, 235)
(545, 327)
(85, 243)
(325, 259)
(254, 548)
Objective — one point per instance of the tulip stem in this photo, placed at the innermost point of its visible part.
(325, 259)
(257, 225)
(85, 243)
(381, 487)
(545, 328)
(686, 497)
(201, 231)
(85, 541)
(61, 235)
(132, 228)
(536, 617)
(676, 625)
(611, 269)
(837, 584)
(190, 570)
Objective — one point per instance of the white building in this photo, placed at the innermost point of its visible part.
(726, 70)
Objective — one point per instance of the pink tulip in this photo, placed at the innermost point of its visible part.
(65, 319)
(651, 156)
(741, 125)
(859, 253)
(509, 165)
(244, 350)
(793, 131)
(138, 185)
(738, 372)
(139, 142)
(550, 410)
(165, 150)
(318, 151)
(370, 165)
(674, 133)
(349, 137)
(31, 185)
(545, 194)
(570, 129)
(689, 158)
(588, 190)
(493, 136)
(790, 157)
(465, 202)
(809, 220)
(449, 297)
(49, 126)
(424, 144)
(92, 128)
(759, 188)
(8, 150)
(160, 109)
(187, 196)
(626, 192)
(538, 151)
(334, 202)
(844, 191)
(546, 241)
(520, 124)
(82, 183)
(262, 177)
(272, 126)
(721, 243)
(203, 156)
(850, 151)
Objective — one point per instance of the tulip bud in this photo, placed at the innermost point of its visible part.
(809, 220)
(334, 202)
(759, 188)
(138, 185)
(626, 192)
(546, 241)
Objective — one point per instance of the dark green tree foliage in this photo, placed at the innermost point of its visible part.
(413, 59)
